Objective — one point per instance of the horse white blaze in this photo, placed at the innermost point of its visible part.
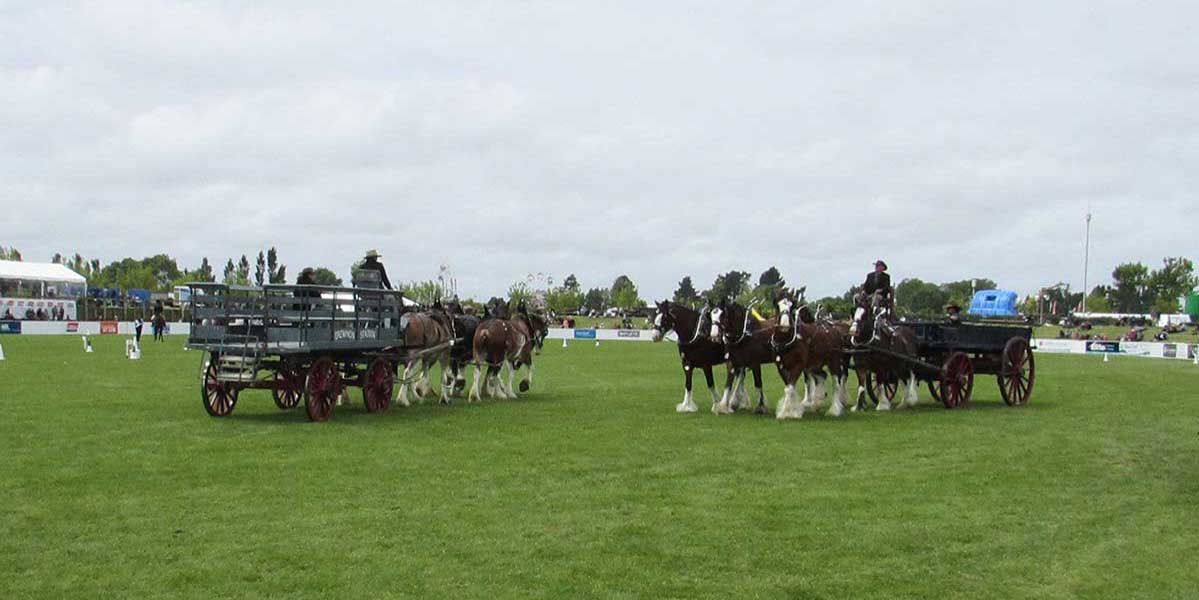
(715, 331)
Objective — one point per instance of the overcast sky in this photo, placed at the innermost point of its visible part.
(657, 139)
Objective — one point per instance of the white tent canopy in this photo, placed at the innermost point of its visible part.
(47, 272)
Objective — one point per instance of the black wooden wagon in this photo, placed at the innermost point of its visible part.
(949, 355)
(299, 341)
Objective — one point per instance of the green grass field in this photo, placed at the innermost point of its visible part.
(117, 484)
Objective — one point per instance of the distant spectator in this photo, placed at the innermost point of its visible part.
(137, 330)
(1161, 336)
(8, 315)
(40, 315)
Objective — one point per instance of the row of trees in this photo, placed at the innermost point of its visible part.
(161, 272)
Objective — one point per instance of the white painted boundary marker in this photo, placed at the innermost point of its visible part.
(1, 352)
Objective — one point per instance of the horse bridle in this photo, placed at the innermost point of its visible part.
(796, 336)
(699, 326)
(745, 334)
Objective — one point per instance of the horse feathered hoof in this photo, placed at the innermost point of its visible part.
(762, 409)
(524, 386)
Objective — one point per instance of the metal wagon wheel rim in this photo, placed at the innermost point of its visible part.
(320, 389)
(378, 386)
(290, 387)
(219, 398)
(957, 380)
(1017, 373)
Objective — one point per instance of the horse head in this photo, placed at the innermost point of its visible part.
(663, 319)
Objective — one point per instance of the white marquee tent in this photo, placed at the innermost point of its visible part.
(43, 273)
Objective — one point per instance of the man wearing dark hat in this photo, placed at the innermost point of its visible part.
(371, 263)
(878, 281)
(954, 312)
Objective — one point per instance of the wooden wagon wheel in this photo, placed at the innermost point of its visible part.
(1017, 372)
(933, 390)
(957, 380)
(321, 389)
(289, 387)
(218, 396)
(878, 387)
(378, 385)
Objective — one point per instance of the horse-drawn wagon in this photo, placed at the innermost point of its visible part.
(299, 341)
(949, 354)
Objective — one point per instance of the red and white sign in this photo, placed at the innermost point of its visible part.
(109, 328)
(72, 327)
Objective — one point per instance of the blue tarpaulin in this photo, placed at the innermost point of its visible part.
(994, 303)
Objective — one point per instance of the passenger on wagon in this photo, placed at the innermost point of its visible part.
(954, 312)
(371, 263)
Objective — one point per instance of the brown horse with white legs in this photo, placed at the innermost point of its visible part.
(425, 330)
(874, 326)
(747, 346)
(696, 351)
(812, 350)
(490, 348)
(526, 328)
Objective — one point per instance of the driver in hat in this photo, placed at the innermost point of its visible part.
(371, 263)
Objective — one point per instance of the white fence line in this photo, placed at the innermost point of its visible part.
(1145, 349)
(94, 328)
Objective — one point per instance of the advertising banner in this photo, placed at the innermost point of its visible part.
(584, 334)
(628, 333)
(1101, 347)
(10, 327)
(73, 327)
(109, 328)
(1151, 349)
(1060, 346)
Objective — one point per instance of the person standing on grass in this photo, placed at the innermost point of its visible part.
(137, 331)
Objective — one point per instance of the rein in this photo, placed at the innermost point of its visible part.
(699, 324)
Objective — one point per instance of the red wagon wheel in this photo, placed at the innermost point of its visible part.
(878, 386)
(379, 383)
(289, 387)
(218, 396)
(321, 389)
(957, 380)
(1017, 372)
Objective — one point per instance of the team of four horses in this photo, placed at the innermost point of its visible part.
(799, 343)
(500, 340)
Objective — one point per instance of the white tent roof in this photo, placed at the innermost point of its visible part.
(10, 269)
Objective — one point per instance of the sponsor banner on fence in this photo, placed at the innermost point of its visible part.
(1144, 349)
(10, 327)
(584, 334)
(628, 333)
(109, 328)
(73, 327)
(1101, 347)
(1060, 346)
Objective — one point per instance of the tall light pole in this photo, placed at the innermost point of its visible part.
(1086, 262)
